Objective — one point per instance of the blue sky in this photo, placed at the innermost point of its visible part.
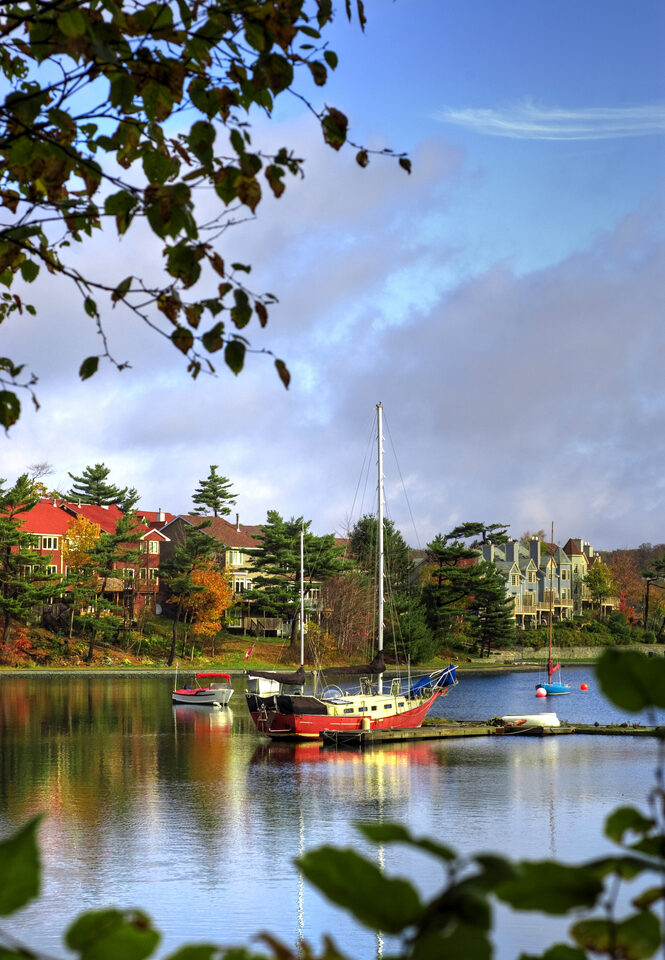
(505, 302)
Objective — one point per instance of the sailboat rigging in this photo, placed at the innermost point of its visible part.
(280, 708)
(552, 688)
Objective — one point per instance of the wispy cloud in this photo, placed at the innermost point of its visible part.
(528, 121)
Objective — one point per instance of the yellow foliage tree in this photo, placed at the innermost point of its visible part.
(211, 600)
(77, 543)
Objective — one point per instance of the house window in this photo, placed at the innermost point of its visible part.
(49, 543)
(51, 568)
(234, 558)
(532, 576)
(142, 573)
(153, 573)
(240, 586)
(153, 546)
(128, 573)
(143, 547)
(515, 579)
(565, 574)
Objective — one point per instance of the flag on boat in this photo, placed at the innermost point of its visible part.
(249, 652)
(554, 669)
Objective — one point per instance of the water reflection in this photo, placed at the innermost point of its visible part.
(132, 786)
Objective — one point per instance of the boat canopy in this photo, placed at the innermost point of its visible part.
(295, 678)
(217, 676)
(378, 665)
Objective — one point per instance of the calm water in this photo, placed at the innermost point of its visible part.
(188, 814)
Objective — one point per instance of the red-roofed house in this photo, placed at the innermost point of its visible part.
(49, 524)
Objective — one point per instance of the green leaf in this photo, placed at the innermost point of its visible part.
(636, 938)
(10, 411)
(631, 680)
(648, 897)
(213, 339)
(283, 373)
(183, 339)
(72, 23)
(122, 91)
(234, 355)
(319, 72)
(241, 313)
(464, 941)
(558, 951)
(88, 368)
(623, 819)
(29, 270)
(121, 205)
(19, 855)
(197, 951)
(396, 833)
(334, 125)
(90, 307)
(550, 887)
(626, 867)
(201, 138)
(110, 934)
(158, 167)
(331, 59)
(122, 289)
(352, 882)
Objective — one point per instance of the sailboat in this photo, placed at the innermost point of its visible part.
(280, 708)
(552, 688)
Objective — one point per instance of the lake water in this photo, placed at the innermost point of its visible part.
(188, 814)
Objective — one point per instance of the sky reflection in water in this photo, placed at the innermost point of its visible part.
(191, 816)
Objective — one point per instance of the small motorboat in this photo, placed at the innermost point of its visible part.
(532, 720)
(215, 693)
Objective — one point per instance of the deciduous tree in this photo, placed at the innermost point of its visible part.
(121, 113)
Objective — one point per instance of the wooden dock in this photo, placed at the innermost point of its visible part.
(447, 730)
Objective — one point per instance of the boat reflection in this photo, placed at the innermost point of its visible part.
(208, 719)
(397, 755)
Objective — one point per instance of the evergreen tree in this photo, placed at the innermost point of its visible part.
(178, 572)
(214, 495)
(599, 582)
(490, 609)
(92, 487)
(107, 552)
(456, 574)
(363, 547)
(24, 581)
(277, 565)
(406, 630)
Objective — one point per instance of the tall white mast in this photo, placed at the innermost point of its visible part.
(379, 416)
(302, 594)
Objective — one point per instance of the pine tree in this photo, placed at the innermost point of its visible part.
(92, 487)
(363, 547)
(277, 566)
(456, 574)
(490, 609)
(214, 495)
(110, 550)
(24, 580)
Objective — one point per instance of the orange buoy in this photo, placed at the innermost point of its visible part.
(540, 692)
(584, 686)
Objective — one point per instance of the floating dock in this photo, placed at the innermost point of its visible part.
(455, 729)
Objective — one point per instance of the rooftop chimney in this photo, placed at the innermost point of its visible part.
(161, 515)
(238, 522)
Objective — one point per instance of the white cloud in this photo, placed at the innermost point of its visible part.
(529, 121)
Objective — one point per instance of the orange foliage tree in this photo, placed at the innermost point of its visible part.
(208, 599)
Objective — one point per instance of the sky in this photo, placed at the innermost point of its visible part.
(504, 302)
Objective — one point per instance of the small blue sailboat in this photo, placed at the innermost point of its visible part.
(551, 688)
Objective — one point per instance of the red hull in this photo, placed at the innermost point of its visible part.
(311, 726)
